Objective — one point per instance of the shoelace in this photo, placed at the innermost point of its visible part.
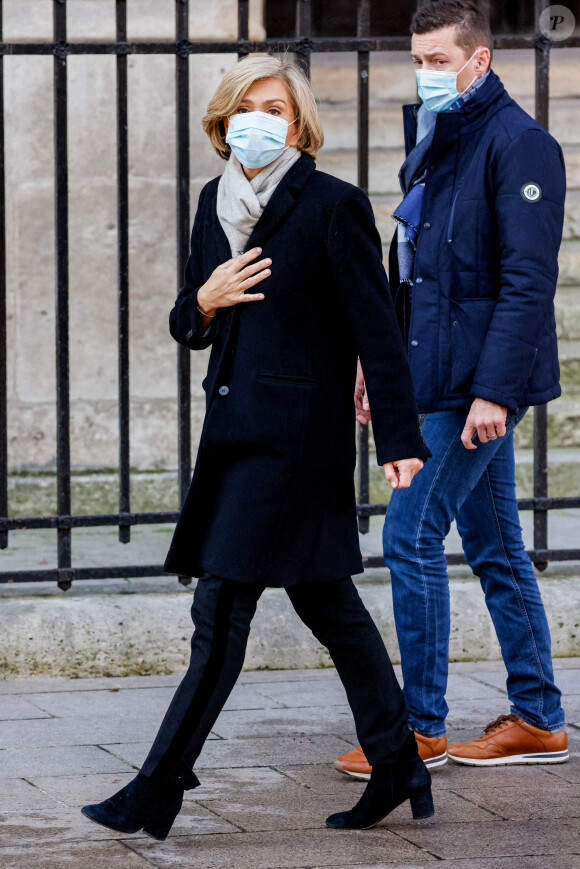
(499, 722)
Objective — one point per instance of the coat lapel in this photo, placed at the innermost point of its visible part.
(282, 202)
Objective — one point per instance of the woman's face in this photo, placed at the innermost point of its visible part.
(270, 95)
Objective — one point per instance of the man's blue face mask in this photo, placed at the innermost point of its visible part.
(438, 88)
(257, 138)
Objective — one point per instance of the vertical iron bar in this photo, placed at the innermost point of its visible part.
(363, 31)
(123, 274)
(243, 23)
(182, 229)
(304, 30)
(3, 351)
(62, 302)
(542, 62)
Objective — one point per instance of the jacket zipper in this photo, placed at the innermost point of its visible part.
(450, 227)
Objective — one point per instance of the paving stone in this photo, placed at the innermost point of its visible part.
(472, 688)
(79, 731)
(324, 779)
(68, 824)
(496, 838)
(281, 805)
(538, 801)
(17, 795)
(13, 708)
(457, 776)
(224, 784)
(80, 855)
(111, 704)
(570, 771)
(314, 675)
(152, 702)
(78, 790)
(571, 704)
(282, 850)
(59, 684)
(306, 693)
(569, 861)
(270, 750)
(321, 719)
(466, 713)
(58, 760)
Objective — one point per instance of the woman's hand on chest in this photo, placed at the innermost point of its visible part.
(227, 285)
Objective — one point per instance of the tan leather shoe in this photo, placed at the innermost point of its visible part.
(510, 739)
(432, 751)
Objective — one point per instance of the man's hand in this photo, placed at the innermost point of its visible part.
(399, 474)
(485, 418)
(361, 402)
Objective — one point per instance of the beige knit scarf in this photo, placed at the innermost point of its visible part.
(240, 202)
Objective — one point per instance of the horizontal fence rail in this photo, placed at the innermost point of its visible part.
(303, 45)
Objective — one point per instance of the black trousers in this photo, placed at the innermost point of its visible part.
(222, 612)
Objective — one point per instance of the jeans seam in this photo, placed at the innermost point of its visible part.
(417, 548)
(520, 600)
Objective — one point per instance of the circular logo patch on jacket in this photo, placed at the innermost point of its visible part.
(531, 192)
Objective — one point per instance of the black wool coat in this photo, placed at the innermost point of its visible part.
(272, 498)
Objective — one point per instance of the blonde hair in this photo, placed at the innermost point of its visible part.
(241, 77)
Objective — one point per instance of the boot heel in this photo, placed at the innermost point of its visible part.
(422, 804)
(160, 828)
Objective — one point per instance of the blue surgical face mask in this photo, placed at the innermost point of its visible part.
(257, 138)
(438, 88)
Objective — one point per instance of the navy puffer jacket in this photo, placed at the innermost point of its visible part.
(482, 315)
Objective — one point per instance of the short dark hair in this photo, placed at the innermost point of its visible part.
(472, 28)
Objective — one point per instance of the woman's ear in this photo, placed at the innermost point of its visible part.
(293, 133)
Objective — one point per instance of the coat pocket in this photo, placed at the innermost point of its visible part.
(287, 379)
(470, 319)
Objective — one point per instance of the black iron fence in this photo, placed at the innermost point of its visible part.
(304, 44)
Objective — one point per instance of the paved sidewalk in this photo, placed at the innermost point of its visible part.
(267, 780)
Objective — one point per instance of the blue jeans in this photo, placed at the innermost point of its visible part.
(476, 488)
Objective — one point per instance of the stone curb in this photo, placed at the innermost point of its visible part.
(113, 634)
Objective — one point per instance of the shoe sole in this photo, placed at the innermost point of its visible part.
(430, 763)
(547, 757)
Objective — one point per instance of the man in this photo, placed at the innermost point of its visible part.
(473, 270)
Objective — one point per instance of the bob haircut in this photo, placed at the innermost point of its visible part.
(241, 77)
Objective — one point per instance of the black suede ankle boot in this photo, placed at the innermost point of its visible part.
(390, 785)
(144, 804)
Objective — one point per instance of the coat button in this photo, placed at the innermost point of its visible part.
(414, 343)
(224, 390)
(419, 281)
(455, 322)
(427, 225)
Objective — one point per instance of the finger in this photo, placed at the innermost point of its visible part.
(391, 474)
(250, 270)
(466, 436)
(251, 297)
(244, 258)
(360, 417)
(482, 433)
(251, 282)
(405, 477)
(416, 468)
(365, 403)
(500, 428)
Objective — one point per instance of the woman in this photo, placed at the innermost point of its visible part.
(285, 281)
